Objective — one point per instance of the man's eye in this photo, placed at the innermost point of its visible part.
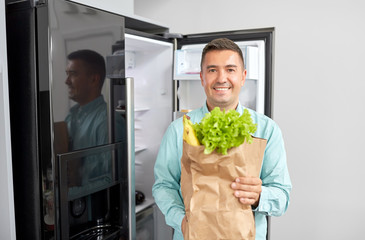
(231, 69)
(71, 73)
(212, 70)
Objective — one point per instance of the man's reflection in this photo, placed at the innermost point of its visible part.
(87, 124)
(87, 120)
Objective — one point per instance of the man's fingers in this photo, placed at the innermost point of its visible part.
(249, 180)
(247, 201)
(243, 194)
(247, 188)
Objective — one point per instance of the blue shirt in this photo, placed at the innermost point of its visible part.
(276, 184)
(88, 127)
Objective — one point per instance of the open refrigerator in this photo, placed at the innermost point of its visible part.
(167, 84)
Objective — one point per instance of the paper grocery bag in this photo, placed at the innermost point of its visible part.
(212, 211)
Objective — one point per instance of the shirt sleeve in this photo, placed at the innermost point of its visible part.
(276, 184)
(166, 189)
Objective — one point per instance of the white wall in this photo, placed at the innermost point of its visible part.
(318, 100)
(7, 220)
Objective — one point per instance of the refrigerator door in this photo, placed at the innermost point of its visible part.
(92, 114)
(149, 61)
(256, 46)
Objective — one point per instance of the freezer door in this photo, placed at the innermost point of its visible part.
(256, 46)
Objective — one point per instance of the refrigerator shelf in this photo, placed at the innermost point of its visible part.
(140, 149)
(141, 109)
(145, 204)
(122, 111)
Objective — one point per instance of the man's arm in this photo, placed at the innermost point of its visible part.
(166, 189)
(268, 194)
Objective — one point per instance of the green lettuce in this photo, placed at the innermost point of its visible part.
(223, 130)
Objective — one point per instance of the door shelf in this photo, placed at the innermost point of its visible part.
(143, 109)
(139, 149)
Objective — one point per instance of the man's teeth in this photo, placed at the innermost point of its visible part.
(221, 89)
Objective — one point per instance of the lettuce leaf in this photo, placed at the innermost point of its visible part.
(222, 130)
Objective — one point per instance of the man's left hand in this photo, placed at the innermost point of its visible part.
(247, 190)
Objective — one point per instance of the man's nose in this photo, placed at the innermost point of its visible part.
(222, 76)
(67, 80)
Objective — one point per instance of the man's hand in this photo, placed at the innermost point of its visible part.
(247, 190)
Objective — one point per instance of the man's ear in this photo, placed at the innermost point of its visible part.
(201, 78)
(95, 79)
(244, 74)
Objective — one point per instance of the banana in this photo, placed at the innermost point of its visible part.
(189, 134)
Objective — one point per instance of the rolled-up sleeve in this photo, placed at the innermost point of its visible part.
(166, 189)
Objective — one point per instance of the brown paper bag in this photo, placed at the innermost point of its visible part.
(212, 211)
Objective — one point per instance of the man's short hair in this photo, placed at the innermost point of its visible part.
(221, 44)
(95, 62)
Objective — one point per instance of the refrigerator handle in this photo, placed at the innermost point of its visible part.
(129, 92)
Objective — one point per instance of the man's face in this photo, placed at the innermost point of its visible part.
(222, 76)
(79, 81)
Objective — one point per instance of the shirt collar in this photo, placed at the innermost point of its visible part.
(92, 105)
(239, 108)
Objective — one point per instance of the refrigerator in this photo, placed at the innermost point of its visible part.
(72, 122)
(151, 78)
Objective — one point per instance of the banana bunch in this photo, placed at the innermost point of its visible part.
(189, 134)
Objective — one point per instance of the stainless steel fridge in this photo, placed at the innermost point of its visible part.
(64, 189)
(72, 122)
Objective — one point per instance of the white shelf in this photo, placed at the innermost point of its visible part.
(141, 109)
(139, 149)
(145, 204)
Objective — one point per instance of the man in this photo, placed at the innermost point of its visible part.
(222, 76)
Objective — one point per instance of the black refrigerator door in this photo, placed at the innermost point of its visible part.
(260, 40)
(91, 115)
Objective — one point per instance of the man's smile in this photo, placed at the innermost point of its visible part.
(221, 88)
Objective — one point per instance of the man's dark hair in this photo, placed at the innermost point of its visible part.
(93, 60)
(221, 44)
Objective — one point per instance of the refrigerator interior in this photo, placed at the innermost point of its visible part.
(149, 62)
(190, 91)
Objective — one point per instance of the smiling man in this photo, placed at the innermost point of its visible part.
(222, 76)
